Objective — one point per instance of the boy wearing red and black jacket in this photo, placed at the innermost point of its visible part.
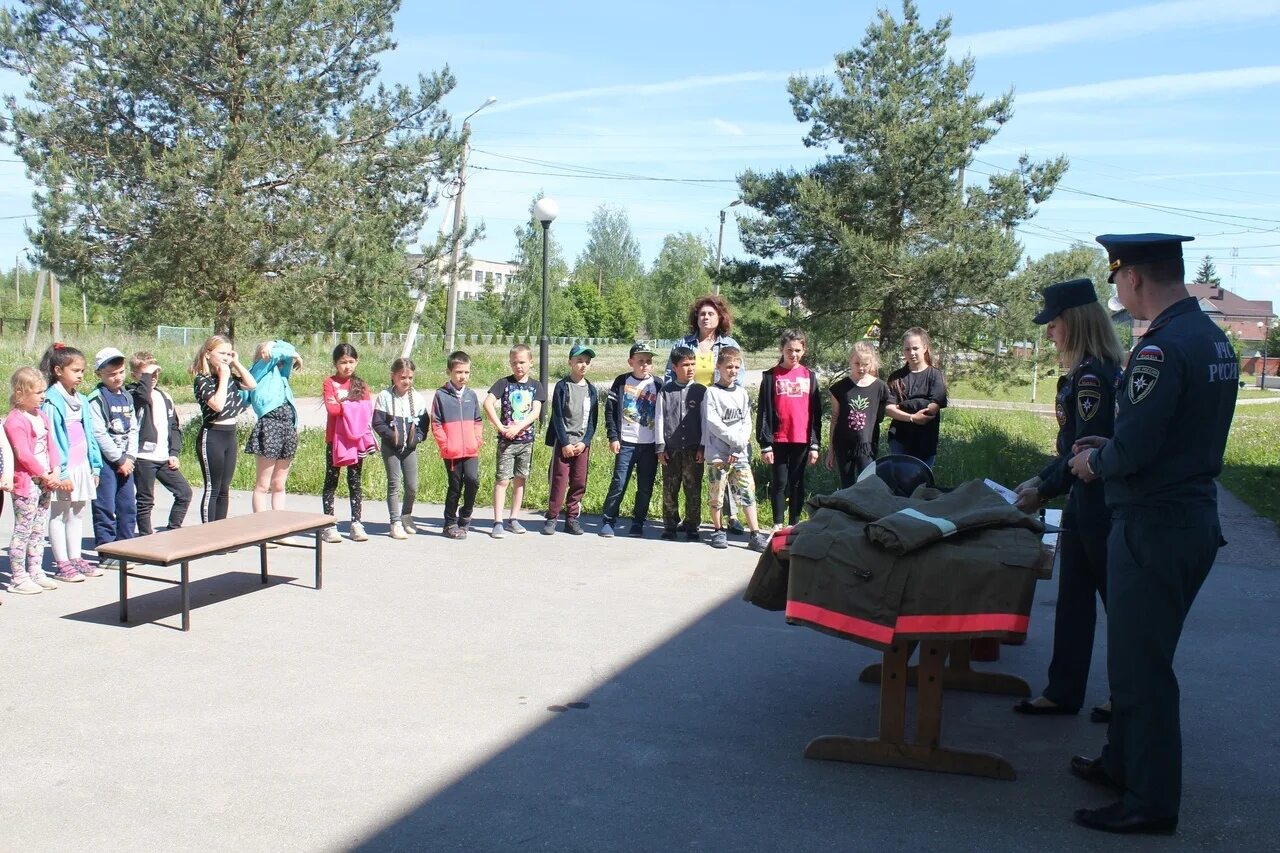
(629, 414)
(789, 426)
(458, 428)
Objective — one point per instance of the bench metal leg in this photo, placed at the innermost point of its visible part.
(186, 597)
(262, 560)
(124, 591)
(319, 559)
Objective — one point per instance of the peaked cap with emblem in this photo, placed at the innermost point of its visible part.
(1128, 249)
(1063, 295)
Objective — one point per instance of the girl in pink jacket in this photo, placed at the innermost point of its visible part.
(35, 463)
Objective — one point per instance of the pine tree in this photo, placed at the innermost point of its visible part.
(1208, 273)
(880, 231)
(239, 150)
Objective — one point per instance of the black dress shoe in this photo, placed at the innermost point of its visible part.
(1028, 707)
(1091, 770)
(1100, 715)
(1113, 819)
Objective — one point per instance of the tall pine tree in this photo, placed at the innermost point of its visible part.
(240, 150)
(881, 231)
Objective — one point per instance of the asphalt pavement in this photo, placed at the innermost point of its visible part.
(561, 693)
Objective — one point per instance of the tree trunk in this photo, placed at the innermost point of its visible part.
(224, 317)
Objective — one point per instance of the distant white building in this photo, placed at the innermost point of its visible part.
(478, 272)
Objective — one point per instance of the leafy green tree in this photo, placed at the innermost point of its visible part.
(612, 254)
(1208, 273)
(591, 308)
(679, 276)
(881, 230)
(625, 315)
(238, 150)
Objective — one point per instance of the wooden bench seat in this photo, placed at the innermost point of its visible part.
(181, 547)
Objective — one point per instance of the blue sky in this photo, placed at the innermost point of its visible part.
(1167, 104)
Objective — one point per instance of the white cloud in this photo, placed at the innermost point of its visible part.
(1110, 26)
(726, 128)
(1159, 87)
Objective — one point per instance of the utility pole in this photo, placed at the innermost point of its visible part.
(451, 306)
(720, 239)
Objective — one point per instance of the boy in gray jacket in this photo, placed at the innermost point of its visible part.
(726, 435)
(115, 428)
(677, 432)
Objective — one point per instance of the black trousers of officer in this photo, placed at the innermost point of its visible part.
(1082, 579)
(1155, 568)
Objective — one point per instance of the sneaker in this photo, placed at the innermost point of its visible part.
(736, 528)
(497, 531)
(27, 587)
(406, 521)
(515, 527)
(331, 535)
(42, 580)
(692, 536)
(91, 571)
(453, 531)
(759, 541)
(69, 575)
(719, 539)
(572, 525)
(397, 531)
(357, 532)
(636, 531)
(669, 535)
(549, 527)
(606, 531)
(81, 564)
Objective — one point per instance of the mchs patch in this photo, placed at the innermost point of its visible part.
(1150, 352)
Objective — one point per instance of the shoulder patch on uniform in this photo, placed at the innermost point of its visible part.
(1088, 403)
(1141, 381)
(1088, 381)
(1150, 352)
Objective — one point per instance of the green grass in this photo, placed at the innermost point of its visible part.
(1256, 393)
(1251, 467)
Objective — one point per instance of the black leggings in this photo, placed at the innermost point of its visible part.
(216, 450)
(787, 485)
(331, 474)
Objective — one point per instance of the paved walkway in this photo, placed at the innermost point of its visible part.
(559, 693)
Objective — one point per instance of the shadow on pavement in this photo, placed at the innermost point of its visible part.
(146, 608)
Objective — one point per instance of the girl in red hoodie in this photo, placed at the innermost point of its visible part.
(344, 390)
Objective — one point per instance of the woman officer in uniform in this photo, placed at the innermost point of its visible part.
(1090, 355)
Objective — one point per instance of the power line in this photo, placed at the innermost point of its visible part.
(691, 181)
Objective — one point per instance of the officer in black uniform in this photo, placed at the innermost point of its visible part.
(1085, 406)
(1176, 400)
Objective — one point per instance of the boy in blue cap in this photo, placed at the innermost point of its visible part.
(574, 410)
(1176, 400)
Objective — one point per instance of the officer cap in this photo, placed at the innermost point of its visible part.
(1124, 249)
(1063, 295)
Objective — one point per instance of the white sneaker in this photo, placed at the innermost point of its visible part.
(331, 535)
(42, 580)
(397, 531)
(26, 587)
(406, 521)
(357, 532)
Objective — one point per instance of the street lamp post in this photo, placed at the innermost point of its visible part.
(1264, 328)
(720, 240)
(451, 307)
(545, 211)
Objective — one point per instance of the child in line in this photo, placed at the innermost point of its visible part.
(348, 437)
(274, 440)
(677, 428)
(159, 444)
(459, 432)
(857, 408)
(789, 426)
(35, 479)
(628, 419)
(115, 430)
(400, 420)
(917, 396)
(726, 435)
(574, 412)
(513, 405)
(78, 457)
(222, 386)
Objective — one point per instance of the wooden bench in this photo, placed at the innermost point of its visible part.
(183, 546)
